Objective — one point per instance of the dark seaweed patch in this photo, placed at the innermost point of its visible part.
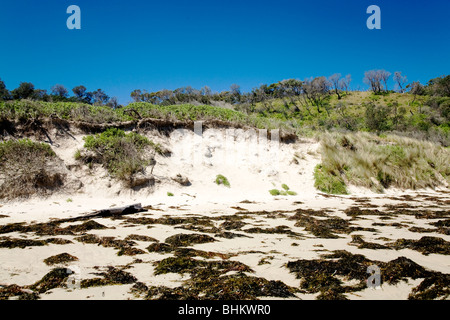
(21, 243)
(361, 244)
(160, 247)
(112, 276)
(194, 267)
(425, 245)
(320, 275)
(184, 239)
(232, 224)
(14, 290)
(138, 237)
(60, 258)
(86, 226)
(276, 230)
(54, 279)
(434, 287)
(125, 246)
(324, 228)
(233, 287)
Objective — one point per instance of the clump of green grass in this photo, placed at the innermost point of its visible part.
(284, 192)
(170, 194)
(327, 182)
(220, 179)
(122, 154)
(28, 168)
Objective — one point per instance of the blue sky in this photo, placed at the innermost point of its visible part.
(127, 45)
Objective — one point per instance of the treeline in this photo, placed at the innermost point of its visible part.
(59, 93)
(311, 91)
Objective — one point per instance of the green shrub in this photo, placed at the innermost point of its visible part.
(220, 179)
(120, 153)
(325, 181)
(275, 192)
(169, 194)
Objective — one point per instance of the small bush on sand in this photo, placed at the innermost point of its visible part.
(220, 179)
(27, 168)
(327, 182)
(274, 192)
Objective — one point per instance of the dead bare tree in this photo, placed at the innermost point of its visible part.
(400, 80)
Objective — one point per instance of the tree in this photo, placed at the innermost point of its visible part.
(113, 102)
(315, 91)
(416, 88)
(439, 86)
(60, 91)
(79, 92)
(345, 82)
(4, 93)
(24, 91)
(40, 94)
(335, 81)
(99, 97)
(377, 117)
(235, 92)
(400, 81)
(136, 95)
(376, 78)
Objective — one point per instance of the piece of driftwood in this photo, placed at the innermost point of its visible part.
(110, 212)
(119, 211)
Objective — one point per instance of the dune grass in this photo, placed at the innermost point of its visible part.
(379, 162)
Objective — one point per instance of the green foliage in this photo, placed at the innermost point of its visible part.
(284, 192)
(274, 192)
(327, 181)
(220, 179)
(170, 194)
(119, 152)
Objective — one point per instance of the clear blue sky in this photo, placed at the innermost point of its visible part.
(127, 45)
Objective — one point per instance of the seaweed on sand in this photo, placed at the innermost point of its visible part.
(276, 230)
(434, 287)
(325, 228)
(54, 279)
(425, 245)
(320, 275)
(20, 243)
(112, 276)
(6, 292)
(125, 246)
(194, 266)
(362, 244)
(231, 287)
(138, 237)
(85, 226)
(60, 258)
(183, 239)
